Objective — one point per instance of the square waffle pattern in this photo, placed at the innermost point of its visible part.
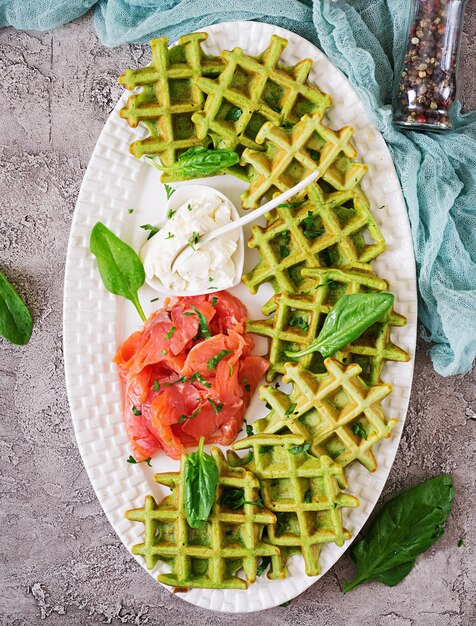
(169, 96)
(298, 320)
(337, 412)
(253, 90)
(304, 494)
(210, 556)
(292, 154)
(326, 230)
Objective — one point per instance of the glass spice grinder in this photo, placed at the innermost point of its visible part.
(427, 87)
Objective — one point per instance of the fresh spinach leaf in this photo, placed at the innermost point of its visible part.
(201, 481)
(199, 161)
(15, 319)
(120, 267)
(405, 527)
(351, 315)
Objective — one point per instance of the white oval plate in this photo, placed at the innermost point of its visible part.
(95, 322)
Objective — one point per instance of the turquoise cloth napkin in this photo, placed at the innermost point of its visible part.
(362, 37)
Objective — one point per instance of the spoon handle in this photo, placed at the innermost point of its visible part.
(252, 216)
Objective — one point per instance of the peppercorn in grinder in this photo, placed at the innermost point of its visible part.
(427, 87)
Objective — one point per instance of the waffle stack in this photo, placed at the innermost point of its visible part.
(312, 250)
(206, 557)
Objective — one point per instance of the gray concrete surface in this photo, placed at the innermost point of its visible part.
(60, 561)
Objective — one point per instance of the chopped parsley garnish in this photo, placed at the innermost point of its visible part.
(154, 299)
(170, 236)
(248, 387)
(308, 496)
(190, 417)
(249, 430)
(169, 191)
(164, 352)
(280, 523)
(277, 386)
(310, 229)
(199, 377)
(170, 214)
(132, 460)
(194, 239)
(214, 300)
(359, 430)
(130, 211)
(216, 408)
(230, 365)
(213, 362)
(233, 114)
(136, 411)
(381, 207)
(171, 332)
(210, 279)
(302, 448)
(235, 499)
(189, 207)
(285, 604)
(290, 205)
(268, 406)
(299, 322)
(263, 566)
(182, 379)
(188, 313)
(153, 230)
(285, 240)
(315, 156)
(203, 330)
(460, 542)
(156, 385)
(291, 408)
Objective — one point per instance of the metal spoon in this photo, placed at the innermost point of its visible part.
(187, 251)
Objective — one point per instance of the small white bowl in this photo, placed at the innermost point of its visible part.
(176, 200)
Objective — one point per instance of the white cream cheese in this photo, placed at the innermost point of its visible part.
(211, 267)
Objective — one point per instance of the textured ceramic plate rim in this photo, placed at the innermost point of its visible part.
(92, 385)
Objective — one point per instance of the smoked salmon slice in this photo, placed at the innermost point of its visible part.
(188, 373)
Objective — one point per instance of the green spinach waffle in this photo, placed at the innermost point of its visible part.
(325, 230)
(291, 154)
(298, 319)
(253, 90)
(169, 97)
(337, 412)
(207, 557)
(303, 492)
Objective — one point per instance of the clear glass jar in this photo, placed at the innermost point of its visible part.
(427, 87)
